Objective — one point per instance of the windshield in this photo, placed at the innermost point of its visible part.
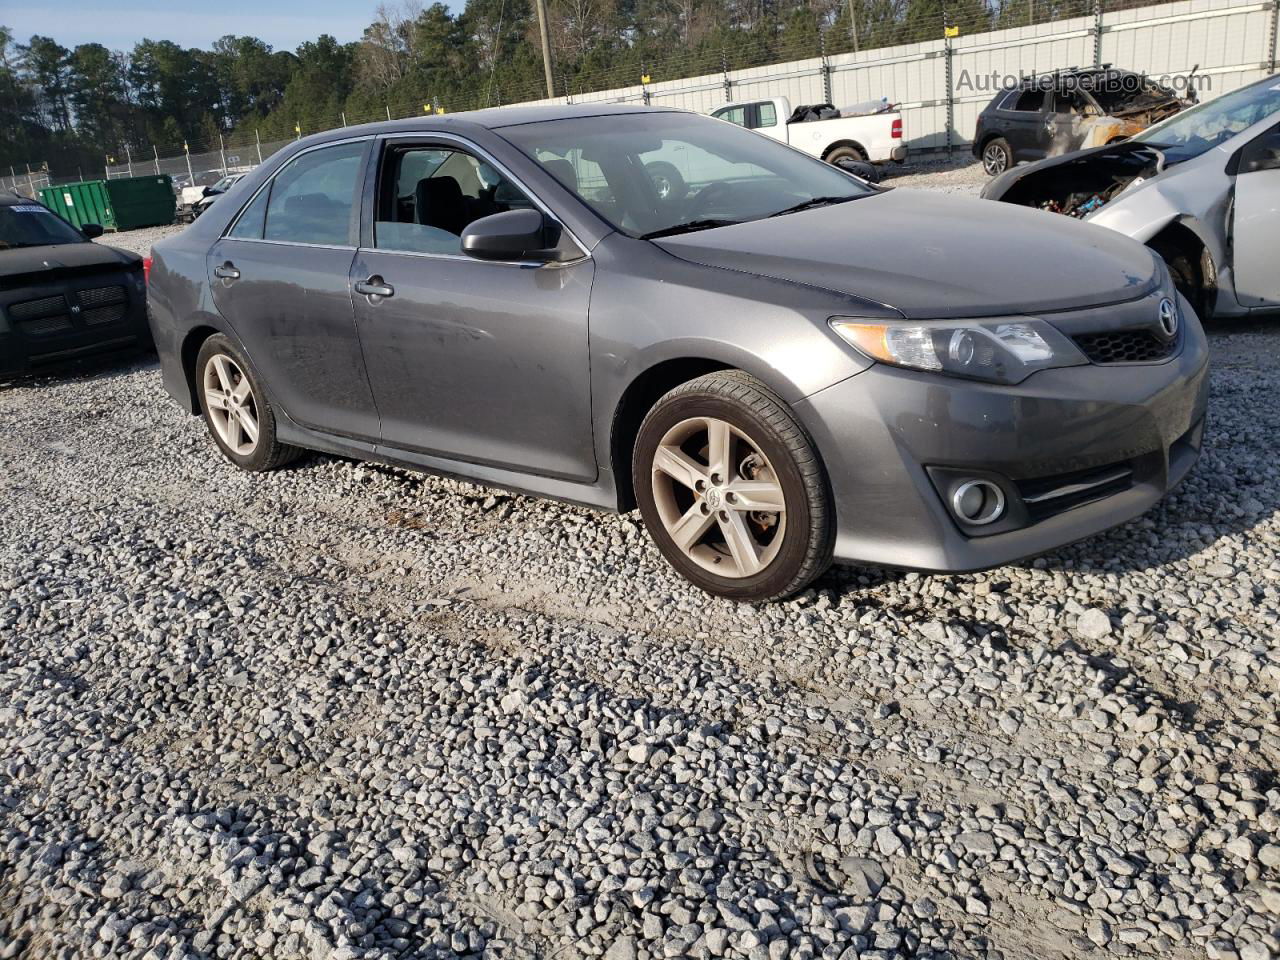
(650, 174)
(1201, 128)
(31, 225)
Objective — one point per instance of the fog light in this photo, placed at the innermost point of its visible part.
(978, 502)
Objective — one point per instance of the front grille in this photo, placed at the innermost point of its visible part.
(1125, 346)
(1048, 496)
(40, 326)
(103, 315)
(102, 296)
(41, 317)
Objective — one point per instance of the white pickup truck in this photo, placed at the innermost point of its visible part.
(871, 132)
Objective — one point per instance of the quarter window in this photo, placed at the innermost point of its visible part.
(313, 199)
(249, 226)
(428, 195)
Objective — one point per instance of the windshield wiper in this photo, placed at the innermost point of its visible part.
(689, 226)
(814, 202)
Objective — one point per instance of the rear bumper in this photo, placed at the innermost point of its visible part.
(1075, 452)
(71, 321)
(899, 153)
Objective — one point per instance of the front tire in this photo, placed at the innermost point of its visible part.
(236, 409)
(997, 156)
(731, 489)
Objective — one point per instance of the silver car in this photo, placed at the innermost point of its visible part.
(777, 363)
(1201, 188)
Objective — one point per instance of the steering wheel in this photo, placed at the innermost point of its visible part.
(707, 196)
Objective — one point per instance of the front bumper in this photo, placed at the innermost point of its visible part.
(1105, 441)
(46, 324)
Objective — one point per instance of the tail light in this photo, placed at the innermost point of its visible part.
(146, 270)
(896, 130)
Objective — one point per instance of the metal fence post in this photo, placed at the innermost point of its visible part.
(128, 155)
(1097, 33)
(826, 69)
(222, 154)
(1275, 26)
(156, 154)
(724, 71)
(257, 142)
(951, 98)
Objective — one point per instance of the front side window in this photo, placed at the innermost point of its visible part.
(34, 225)
(736, 115)
(313, 198)
(676, 172)
(428, 195)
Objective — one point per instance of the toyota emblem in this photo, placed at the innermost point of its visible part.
(1168, 318)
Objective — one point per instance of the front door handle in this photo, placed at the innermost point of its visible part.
(375, 287)
(227, 271)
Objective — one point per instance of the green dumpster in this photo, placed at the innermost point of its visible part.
(124, 204)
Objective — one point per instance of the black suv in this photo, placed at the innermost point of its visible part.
(1057, 113)
(62, 296)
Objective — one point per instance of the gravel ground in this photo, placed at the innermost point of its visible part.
(345, 711)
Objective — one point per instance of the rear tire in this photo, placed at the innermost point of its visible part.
(997, 156)
(731, 489)
(846, 153)
(236, 409)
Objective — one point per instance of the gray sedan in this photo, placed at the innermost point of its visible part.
(777, 363)
(1202, 189)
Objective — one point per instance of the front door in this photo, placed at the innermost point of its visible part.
(280, 277)
(1256, 233)
(470, 360)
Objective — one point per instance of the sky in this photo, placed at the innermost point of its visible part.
(119, 24)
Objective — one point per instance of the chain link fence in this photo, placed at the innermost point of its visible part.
(940, 73)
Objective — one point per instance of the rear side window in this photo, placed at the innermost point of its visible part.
(313, 198)
(1031, 100)
(768, 115)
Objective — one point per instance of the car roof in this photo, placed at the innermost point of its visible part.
(493, 118)
(9, 199)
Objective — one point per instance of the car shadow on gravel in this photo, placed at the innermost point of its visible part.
(84, 369)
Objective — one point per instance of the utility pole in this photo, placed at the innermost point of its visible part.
(545, 37)
(853, 27)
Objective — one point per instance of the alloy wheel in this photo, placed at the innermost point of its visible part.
(719, 498)
(993, 159)
(231, 404)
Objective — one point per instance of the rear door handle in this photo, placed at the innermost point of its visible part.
(227, 271)
(375, 287)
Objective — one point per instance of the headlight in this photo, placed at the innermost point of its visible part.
(1001, 351)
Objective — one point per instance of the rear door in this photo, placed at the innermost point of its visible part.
(280, 276)
(470, 360)
(1067, 121)
(1256, 222)
(1025, 119)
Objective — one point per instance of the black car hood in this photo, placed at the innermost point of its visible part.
(931, 256)
(51, 262)
(997, 187)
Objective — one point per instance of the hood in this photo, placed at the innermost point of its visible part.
(23, 264)
(932, 256)
(1128, 153)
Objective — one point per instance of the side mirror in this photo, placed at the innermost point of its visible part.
(206, 191)
(513, 235)
(92, 230)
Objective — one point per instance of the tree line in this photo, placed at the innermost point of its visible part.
(72, 107)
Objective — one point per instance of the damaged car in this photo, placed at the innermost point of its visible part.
(1058, 113)
(1200, 188)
